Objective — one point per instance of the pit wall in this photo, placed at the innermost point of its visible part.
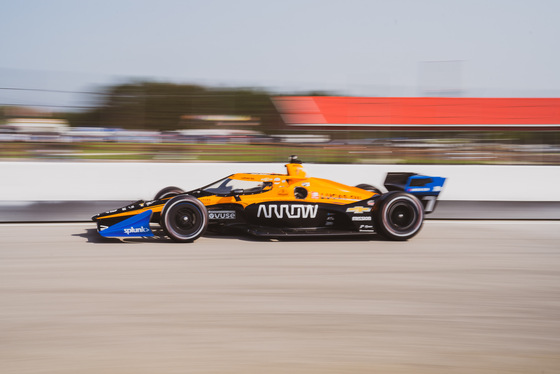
(90, 181)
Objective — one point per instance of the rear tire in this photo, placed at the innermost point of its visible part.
(399, 216)
(168, 192)
(369, 187)
(184, 218)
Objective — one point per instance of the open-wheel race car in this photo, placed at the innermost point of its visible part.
(280, 205)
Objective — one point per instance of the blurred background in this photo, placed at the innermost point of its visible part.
(368, 82)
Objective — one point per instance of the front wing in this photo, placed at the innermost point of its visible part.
(132, 227)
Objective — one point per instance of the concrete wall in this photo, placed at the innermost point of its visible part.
(83, 181)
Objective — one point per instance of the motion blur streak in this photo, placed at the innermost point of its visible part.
(463, 297)
(150, 121)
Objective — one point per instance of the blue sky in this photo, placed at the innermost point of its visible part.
(370, 48)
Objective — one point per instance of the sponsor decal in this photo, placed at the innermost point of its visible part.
(370, 202)
(419, 189)
(136, 230)
(222, 214)
(358, 209)
(333, 196)
(292, 211)
(361, 218)
(314, 195)
(306, 184)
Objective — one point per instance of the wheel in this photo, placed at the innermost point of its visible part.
(369, 187)
(184, 218)
(399, 215)
(168, 192)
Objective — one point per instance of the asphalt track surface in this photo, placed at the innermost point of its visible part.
(461, 297)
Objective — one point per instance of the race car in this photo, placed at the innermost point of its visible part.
(280, 205)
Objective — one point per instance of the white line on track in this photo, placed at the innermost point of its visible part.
(444, 221)
(34, 224)
(493, 222)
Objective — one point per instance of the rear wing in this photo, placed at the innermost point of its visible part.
(424, 187)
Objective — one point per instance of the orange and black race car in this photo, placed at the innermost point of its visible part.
(280, 205)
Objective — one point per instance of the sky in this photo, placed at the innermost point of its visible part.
(366, 48)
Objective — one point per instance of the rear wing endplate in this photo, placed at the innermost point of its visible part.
(426, 188)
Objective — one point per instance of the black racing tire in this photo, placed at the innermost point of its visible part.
(369, 187)
(168, 192)
(398, 215)
(184, 218)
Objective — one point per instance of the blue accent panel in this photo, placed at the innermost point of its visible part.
(422, 185)
(135, 226)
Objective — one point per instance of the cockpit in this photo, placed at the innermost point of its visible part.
(229, 187)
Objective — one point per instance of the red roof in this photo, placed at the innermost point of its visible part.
(426, 113)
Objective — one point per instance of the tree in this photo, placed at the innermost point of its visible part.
(160, 106)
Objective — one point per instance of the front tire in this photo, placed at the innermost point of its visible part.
(184, 218)
(399, 216)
